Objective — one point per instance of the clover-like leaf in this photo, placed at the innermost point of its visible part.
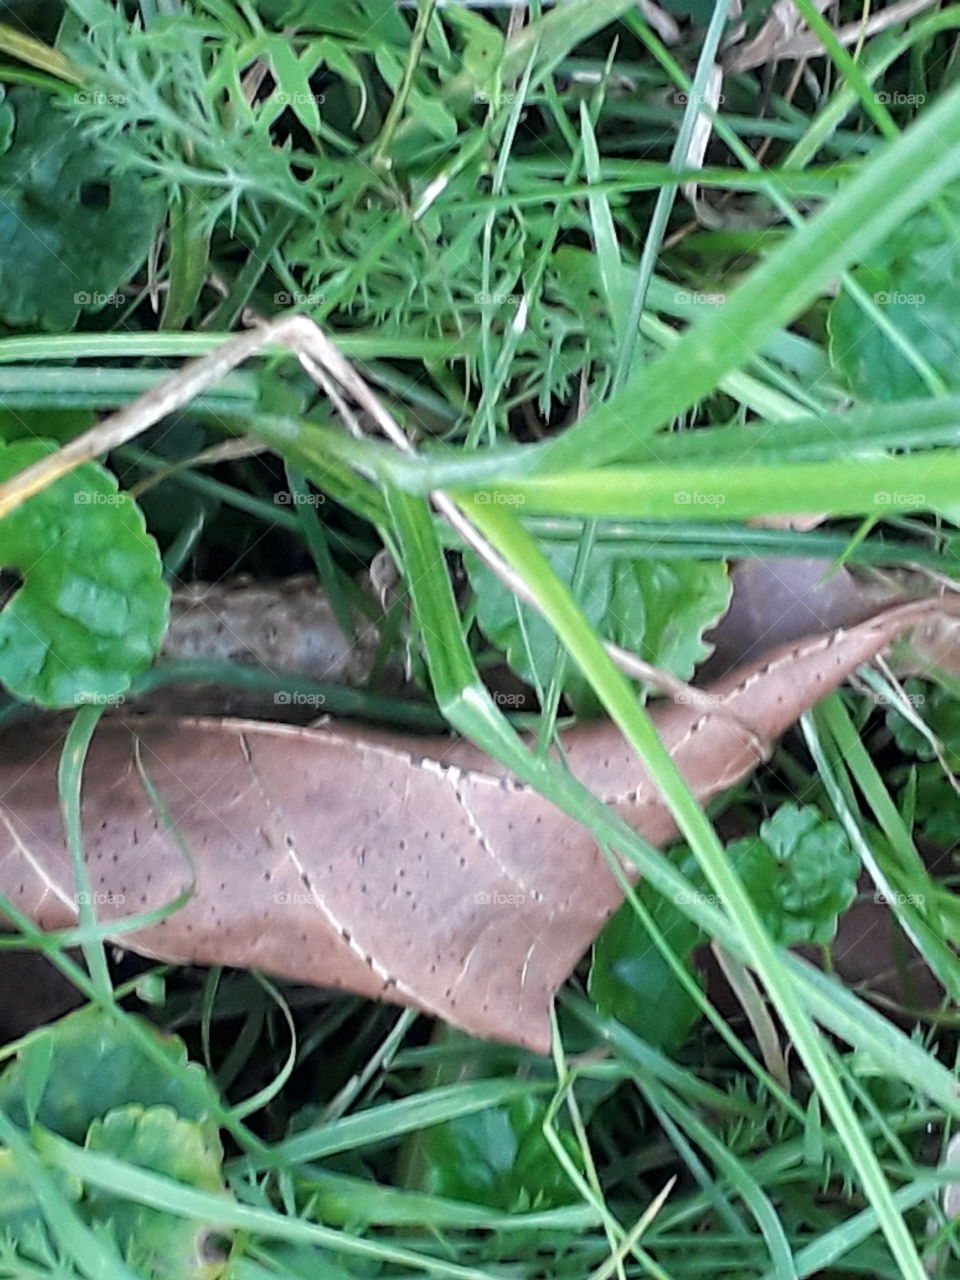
(128, 1089)
(801, 872)
(159, 1244)
(92, 607)
(71, 230)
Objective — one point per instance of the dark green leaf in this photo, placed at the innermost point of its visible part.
(631, 981)
(500, 1158)
(941, 713)
(914, 277)
(661, 608)
(71, 232)
(937, 806)
(528, 641)
(658, 610)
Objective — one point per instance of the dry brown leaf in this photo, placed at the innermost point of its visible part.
(412, 870)
(776, 600)
(784, 35)
(781, 25)
(287, 626)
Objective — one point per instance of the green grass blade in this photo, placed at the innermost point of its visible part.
(614, 691)
(903, 177)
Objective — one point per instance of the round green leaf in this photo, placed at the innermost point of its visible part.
(92, 606)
